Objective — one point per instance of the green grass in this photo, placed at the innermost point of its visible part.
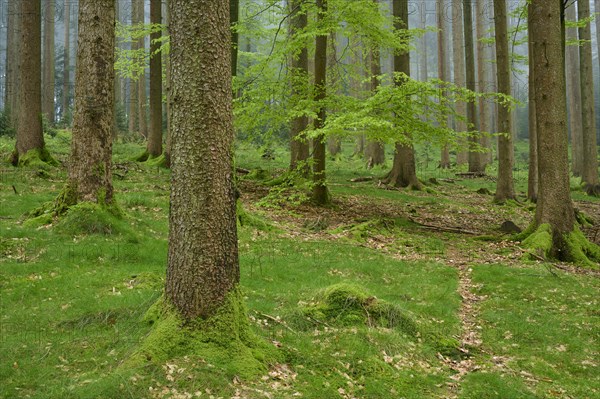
(72, 302)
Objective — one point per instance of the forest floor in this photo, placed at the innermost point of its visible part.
(485, 321)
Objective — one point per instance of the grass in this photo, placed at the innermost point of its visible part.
(72, 303)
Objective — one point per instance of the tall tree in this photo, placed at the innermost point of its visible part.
(13, 55)
(29, 127)
(66, 91)
(48, 95)
(403, 173)
(458, 61)
(299, 76)
(532, 181)
(234, 15)
(574, 93)
(443, 46)
(154, 147)
(141, 45)
(320, 190)
(484, 77)
(589, 172)
(133, 85)
(90, 176)
(505, 187)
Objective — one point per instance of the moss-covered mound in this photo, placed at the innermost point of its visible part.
(224, 340)
(36, 158)
(91, 218)
(348, 304)
(159, 161)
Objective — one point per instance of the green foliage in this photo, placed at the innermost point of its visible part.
(5, 126)
(132, 63)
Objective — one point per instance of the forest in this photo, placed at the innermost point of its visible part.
(299, 199)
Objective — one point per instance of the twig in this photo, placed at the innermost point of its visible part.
(276, 321)
(444, 229)
(15, 189)
(361, 179)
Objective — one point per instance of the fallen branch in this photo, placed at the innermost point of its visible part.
(361, 179)
(242, 171)
(276, 320)
(471, 175)
(444, 229)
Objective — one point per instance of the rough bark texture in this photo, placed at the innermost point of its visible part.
(29, 126)
(375, 150)
(133, 86)
(13, 46)
(90, 177)
(48, 95)
(532, 182)
(142, 98)
(554, 205)
(484, 78)
(66, 92)
(155, 135)
(167, 150)
(403, 173)
(505, 189)
(589, 172)
(320, 191)
(299, 64)
(574, 94)
(443, 68)
(458, 58)
(203, 266)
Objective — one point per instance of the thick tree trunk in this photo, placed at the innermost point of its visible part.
(90, 177)
(574, 94)
(155, 136)
(505, 187)
(29, 127)
(554, 204)
(458, 57)
(66, 92)
(299, 65)
(443, 69)
(589, 172)
(203, 266)
(13, 50)
(483, 77)
(142, 114)
(48, 95)
(532, 182)
(320, 191)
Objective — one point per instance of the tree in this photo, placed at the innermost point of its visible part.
(458, 60)
(133, 86)
(505, 187)
(234, 15)
(484, 77)
(554, 232)
(532, 181)
(66, 92)
(574, 93)
(589, 172)
(142, 114)
(443, 68)
(320, 191)
(403, 173)
(154, 147)
(299, 77)
(13, 46)
(48, 98)
(90, 176)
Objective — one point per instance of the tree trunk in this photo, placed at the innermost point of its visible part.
(13, 48)
(203, 265)
(574, 94)
(532, 181)
(48, 99)
(66, 93)
(443, 69)
(589, 172)
(484, 78)
(403, 173)
(458, 57)
(320, 191)
(155, 137)
(29, 127)
(118, 82)
(168, 144)
(505, 187)
(90, 176)
(133, 85)
(554, 205)
(234, 14)
(299, 73)
(142, 114)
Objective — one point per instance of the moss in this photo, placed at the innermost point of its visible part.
(41, 220)
(581, 250)
(246, 219)
(143, 157)
(37, 158)
(539, 241)
(224, 339)
(348, 304)
(159, 161)
(92, 218)
(258, 174)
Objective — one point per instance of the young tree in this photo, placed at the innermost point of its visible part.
(458, 60)
(142, 114)
(484, 76)
(154, 146)
(13, 54)
(532, 181)
(90, 176)
(48, 98)
(134, 89)
(505, 187)
(66, 92)
(443, 67)
(574, 93)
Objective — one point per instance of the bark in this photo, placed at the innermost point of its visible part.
(118, 81)
(133, 86)
(532, 182)
(234, 13)
(13, 48)
(483, 78)
(403, 173)
(168, 144)
(66, 92)
(320, 191)
(29, 127)
(90, 177)
(155, 136)
(203, 265)
(443, 69)
(142, 98)
(48, 95)
(554, 204)
(299, 73)
(574, 94)
(589, 172)
(505, 187)
(458, 57)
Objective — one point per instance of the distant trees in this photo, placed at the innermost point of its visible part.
(48, 70)
(154, 146)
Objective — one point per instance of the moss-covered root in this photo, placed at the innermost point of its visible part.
(159, 161)
(224, 340)
(572, 247)
(143, 157)
(37, 158)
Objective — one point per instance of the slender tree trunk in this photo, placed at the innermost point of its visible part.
(483, 77)
(589, 173)
(29, 127)
(118, 82)
(66, 93)
(13, 50)
(403, 173)
(133, 85)
(234, 14)
(155, 137)
(443, 69)
(90, 176)
(299, 73)
(48, 103)
(203, 265)
(168, 144)
(505, 187)
(320, 191)
(574, 94)
(532, 182)
(334, 144)
(458, 57)
(554, 204)
(142, 114)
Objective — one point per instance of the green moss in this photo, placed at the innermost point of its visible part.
(41, 220)
(581, 250)
(143, 157)
(224, 339)
(159, 161)
(246, 219)
(539, 241)
(258, 174)
(91, 218)
(37, 158)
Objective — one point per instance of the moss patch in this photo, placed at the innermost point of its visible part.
(91, 218)
(143, 157)
(247, 219)
(224, 339)
(582, 251)
(538, 241)
(159, 161)
(36, 158)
